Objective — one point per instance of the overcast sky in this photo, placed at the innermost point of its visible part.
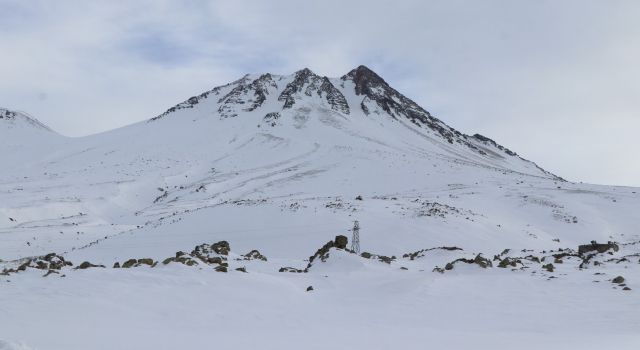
(556, 81)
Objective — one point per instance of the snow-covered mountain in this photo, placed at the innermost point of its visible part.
(282, 164)
(19, 130)
(23, 138)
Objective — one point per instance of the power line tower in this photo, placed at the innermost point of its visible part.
(355, 239)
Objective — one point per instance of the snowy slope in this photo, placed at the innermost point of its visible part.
(23, 138)
(283, 164)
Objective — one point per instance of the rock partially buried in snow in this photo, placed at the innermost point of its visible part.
(478, 260)
(618, 280)
(51, 261)
(137, 262)
(597, 247)
(254, 255)
(549, 267)
(86, 265)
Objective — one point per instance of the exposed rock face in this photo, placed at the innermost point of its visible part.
(246, 96)
(192, 101)
(493, 143)
(307, 82)
(376, 90)
(334, 97)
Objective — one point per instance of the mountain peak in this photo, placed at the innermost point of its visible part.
(364, 79)
(276, 100)
(304, 72)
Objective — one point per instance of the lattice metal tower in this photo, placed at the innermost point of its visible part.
(355, 239)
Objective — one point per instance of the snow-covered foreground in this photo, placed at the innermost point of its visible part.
(367, 306)
(283, 164)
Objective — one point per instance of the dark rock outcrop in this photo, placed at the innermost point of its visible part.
(597, 247)
(254, 255)
(341, 242)
(86, 265)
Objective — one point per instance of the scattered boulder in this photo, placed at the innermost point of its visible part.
(549, 267)
(618, 280)
(420, 253)
(129, 263)
(254, 255)
(86, 265)
(341, 242)
(51, 261)
(242, 269)
(381, 258)
(310, 288)
(506, 262)
(291, 269)
(146, 261)
(210, 254)
(478, 260)
(482, 261)
(597, 247)
(386, 259)
(214, 260)
(116, 265)
(221, 247)
(185, 260)
(136, 262)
